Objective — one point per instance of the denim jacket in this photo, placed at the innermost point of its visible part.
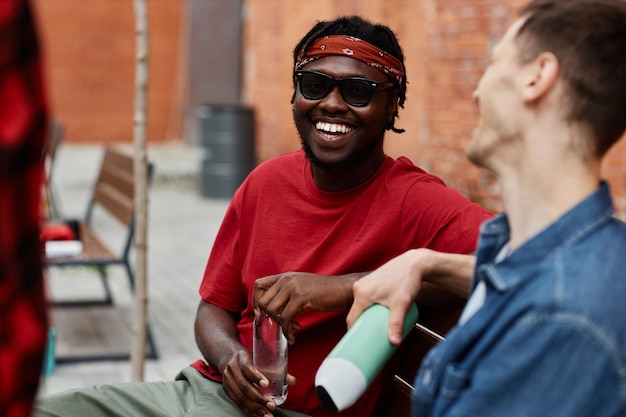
(550, 338)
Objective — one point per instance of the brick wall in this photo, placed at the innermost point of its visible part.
(89, 48)
(446, 44)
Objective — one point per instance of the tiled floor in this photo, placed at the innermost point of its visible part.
(182, 226)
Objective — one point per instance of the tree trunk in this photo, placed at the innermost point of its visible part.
(138, 348)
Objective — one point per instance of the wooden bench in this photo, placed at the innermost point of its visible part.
(395, 399)
(113, 193)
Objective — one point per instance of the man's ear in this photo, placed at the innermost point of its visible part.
(392, 104)
(540, 76)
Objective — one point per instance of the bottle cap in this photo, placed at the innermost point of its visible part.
(340, 388)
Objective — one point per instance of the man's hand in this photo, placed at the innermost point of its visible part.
(394, 285)
(284, 295)
(397, 283)
(218, 340)
(240, 380)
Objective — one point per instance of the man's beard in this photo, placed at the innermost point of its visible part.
(347, 163)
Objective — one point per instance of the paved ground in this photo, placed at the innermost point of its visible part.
(182, 226)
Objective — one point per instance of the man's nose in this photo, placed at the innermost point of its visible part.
(334, 100)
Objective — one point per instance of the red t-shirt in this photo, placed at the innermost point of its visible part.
(279, 221)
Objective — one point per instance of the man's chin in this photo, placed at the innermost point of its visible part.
(474, 155)
(473, 151)
(338, 165)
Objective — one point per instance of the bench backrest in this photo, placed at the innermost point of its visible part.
(395, 398)
(114, 190)
(115, 187)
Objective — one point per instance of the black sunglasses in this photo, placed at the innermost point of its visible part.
(357, 92)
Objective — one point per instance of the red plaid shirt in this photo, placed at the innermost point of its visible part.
(23, 120)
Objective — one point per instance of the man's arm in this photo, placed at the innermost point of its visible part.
(284, 295)
(216, 335)
(397, 283)
(539, 364)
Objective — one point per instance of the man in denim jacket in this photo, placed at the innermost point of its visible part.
(544, 331)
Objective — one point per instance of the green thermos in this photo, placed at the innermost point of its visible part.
(359, 356)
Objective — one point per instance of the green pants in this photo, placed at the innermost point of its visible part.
(189, 395)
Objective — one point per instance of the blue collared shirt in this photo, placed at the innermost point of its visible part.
(549, 336)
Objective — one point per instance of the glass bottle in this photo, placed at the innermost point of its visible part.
(269, 354)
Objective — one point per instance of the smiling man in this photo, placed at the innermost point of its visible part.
(299, 232)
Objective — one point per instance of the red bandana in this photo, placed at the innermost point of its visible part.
(352, 47)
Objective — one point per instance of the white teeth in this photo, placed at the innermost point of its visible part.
(333, 128)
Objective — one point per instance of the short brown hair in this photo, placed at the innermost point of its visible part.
(588, 37)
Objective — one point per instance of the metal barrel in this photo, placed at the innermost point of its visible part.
(227, 141)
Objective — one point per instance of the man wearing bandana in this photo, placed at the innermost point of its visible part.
(299, 232)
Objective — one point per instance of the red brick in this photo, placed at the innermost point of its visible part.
(90, 51)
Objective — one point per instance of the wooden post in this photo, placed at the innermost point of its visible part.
(138, 348)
